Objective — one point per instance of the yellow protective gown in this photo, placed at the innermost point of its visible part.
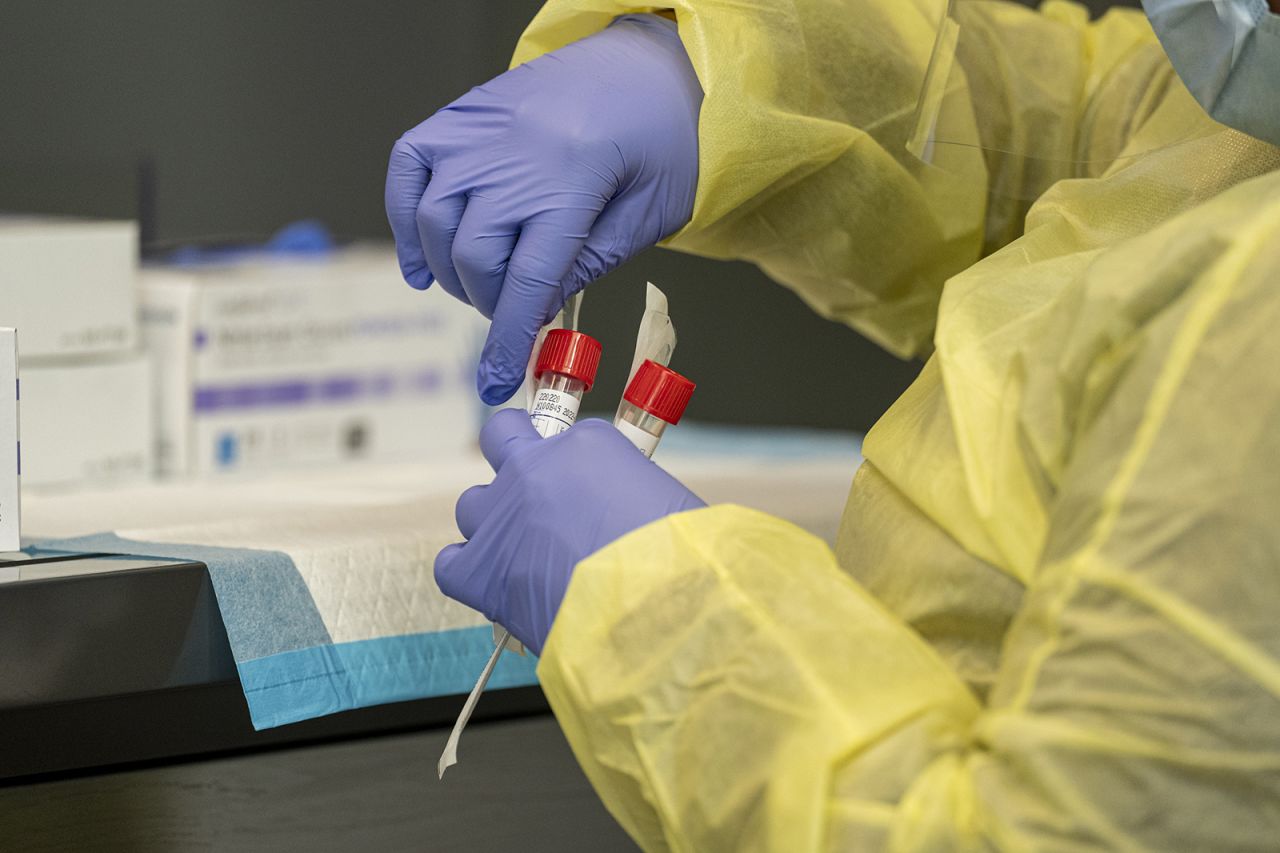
(1053, 617)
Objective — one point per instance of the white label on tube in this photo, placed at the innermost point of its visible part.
(646, 442)
(553, 412)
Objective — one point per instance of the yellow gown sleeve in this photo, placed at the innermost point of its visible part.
(803, 167)
(727, 686)
(714, 671)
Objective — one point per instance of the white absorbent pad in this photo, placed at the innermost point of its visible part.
(325, 582)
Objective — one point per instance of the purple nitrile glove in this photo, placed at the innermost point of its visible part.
(525, 189)
(552, 503)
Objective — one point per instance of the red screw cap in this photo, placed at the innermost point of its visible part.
(571, 353)
(660, 391)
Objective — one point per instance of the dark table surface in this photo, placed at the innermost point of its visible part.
(516, 787)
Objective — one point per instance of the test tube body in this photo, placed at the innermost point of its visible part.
(565, 370)
(641, 428)
(556, 400)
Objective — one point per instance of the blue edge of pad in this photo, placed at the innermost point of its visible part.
(312, 682)
(305, 675)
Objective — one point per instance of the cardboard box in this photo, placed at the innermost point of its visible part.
(87, 423)
(271, 364)
(10, 449)
(69, 285)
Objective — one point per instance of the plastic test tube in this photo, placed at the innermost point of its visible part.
(565, 370)
(656, 396)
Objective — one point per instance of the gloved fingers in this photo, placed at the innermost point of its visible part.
(473, 507)
(619, 234)
(505, 434)
(407, 176)
(437, 216)
(482, 248)
(452, 574)
(531, 295)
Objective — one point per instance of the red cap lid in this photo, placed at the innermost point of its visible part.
(571, 353)
(660, 391)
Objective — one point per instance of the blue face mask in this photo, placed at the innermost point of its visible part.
(1227, 52)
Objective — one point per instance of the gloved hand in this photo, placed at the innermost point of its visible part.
(552, 503)
(527, 188)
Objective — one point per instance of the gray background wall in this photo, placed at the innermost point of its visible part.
(224, 119)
